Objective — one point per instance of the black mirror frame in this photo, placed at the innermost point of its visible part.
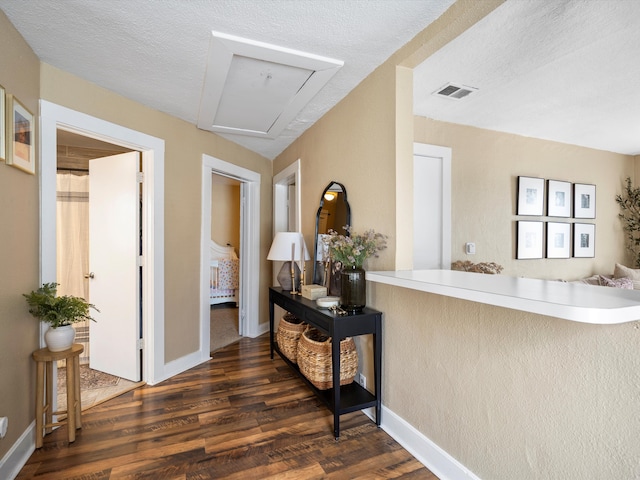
(316, 272)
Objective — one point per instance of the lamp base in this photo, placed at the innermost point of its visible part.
(284, 276)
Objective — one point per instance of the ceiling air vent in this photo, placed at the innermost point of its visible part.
(455, 92)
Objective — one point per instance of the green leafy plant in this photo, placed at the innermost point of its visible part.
(353, 249)
(57, 311)
(629, 202)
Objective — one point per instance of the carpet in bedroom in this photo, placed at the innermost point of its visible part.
(224, 326)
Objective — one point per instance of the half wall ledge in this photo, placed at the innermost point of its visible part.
(568, 301)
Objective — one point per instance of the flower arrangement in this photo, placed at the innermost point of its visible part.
(353, 249)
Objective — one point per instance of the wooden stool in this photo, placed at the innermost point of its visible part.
(44, 391)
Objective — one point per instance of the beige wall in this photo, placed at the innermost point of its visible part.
(19, 253)
(184, 146)
(485, 168)
(508, 394)
(225, 215)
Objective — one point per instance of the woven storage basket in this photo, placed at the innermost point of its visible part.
(289, 330)
(314, 359)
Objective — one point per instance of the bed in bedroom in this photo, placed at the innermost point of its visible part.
(224, 268)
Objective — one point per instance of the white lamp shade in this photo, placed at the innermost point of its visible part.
(288, 246)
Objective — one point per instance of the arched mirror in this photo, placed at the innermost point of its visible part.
(334, 213)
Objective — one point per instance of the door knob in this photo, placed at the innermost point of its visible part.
(89, 275)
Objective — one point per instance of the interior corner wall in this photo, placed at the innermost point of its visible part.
(184, 146)
(485, 169)
(19, 75)
(353, 144)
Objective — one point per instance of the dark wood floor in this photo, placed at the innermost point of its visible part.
(239, 416)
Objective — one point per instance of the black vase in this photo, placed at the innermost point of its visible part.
(353, 289)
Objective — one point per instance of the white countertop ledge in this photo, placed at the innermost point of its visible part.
(569, 301)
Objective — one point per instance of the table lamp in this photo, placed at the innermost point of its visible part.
(289, 247)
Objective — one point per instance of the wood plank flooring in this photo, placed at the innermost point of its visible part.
(239, 416)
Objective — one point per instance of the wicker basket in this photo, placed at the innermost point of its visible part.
(289, 330)
(314, 359)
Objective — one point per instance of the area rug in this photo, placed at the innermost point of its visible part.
(89, 379)
(95, 387)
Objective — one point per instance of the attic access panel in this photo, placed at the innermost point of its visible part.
(253, 88)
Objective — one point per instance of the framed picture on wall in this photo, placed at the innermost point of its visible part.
(584, 240)
(3, 128)
(20, 136)
(529, 240)
(558, 240)
(584, 201)
(530, 196)
(559, 199)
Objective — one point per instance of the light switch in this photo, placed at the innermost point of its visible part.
(470, 248)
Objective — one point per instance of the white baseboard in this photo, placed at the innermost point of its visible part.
(18, 454)
(441, 464)
(181, 365)
(262, 328)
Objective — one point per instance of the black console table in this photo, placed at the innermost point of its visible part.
(345, 398)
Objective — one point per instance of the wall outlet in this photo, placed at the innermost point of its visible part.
(362, 380)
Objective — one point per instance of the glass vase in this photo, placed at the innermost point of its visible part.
(353, 289)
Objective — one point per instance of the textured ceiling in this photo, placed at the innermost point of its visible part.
(563, 70)
(558, 70)
(155, 51)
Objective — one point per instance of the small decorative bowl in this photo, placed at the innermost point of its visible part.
(328, 302)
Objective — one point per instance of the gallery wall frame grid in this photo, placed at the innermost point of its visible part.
(554, 199)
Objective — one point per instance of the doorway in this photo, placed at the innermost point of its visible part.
(54, 117)
(76, 157)
(225, 236)
(249, 275)
(431, 207)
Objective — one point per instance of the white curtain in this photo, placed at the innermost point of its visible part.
(72, 254)
(72, 234)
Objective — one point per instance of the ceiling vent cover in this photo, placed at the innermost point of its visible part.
(455, 92)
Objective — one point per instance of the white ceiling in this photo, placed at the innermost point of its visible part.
(559, 70)
(155, 52)
(563, 70)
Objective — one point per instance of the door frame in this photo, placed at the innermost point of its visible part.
(281, 184)
(54, 117)
(249, 322)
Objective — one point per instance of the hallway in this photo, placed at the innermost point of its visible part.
(240, 415)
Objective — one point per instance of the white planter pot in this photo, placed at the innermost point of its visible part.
(59, 339)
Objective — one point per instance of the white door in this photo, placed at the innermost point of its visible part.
(431, 207)
(114, 242)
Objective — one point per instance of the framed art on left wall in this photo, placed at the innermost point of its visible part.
(20, 140)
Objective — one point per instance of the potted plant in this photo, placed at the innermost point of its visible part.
(629, 202)
(59, 313)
